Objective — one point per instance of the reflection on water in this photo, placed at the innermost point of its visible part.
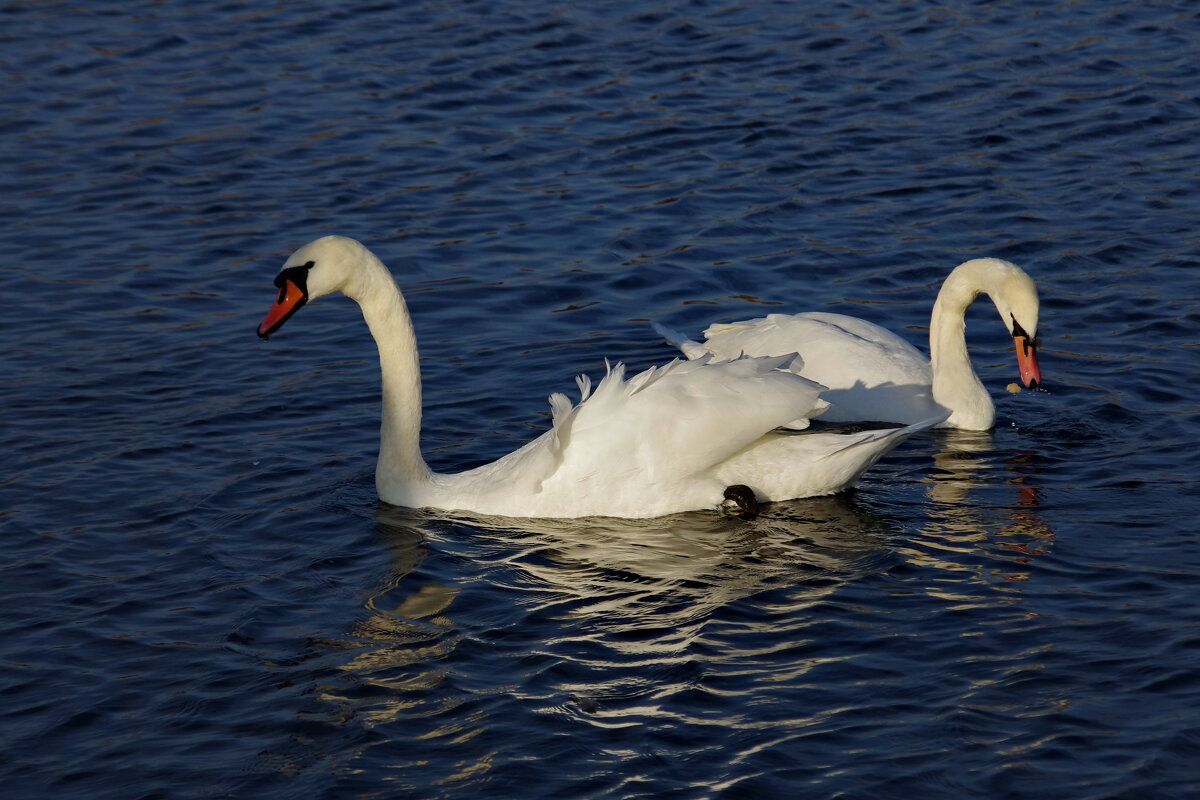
(397, 643)
(594, 627)
(620, 573)
(488, 640)
(632, 601)
(970, 510)
(621, 567)
(962, 461)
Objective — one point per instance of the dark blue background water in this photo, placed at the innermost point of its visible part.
(200, 595)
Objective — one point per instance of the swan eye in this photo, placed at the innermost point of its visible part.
(297, 275)
(1017, 330)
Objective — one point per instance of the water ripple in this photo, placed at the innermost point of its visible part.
(202, 594)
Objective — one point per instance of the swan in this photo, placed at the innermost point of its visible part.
(873, 374)
(669, 439)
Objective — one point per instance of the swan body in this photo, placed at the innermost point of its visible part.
(873, 374)
(669, 439)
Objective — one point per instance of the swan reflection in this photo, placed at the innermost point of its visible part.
(625, 593)
(618, 563)
(601, 624)
(980, 501)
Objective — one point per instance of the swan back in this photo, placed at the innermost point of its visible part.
(869, 372)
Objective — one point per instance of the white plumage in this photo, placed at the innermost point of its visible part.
(874, 374)
(668, 439)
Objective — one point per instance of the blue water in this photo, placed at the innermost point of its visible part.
(200, 594)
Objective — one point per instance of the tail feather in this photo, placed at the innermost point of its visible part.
(689, 348)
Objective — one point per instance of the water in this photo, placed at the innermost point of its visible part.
(201, 595)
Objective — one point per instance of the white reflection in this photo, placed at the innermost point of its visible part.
(982, 502)
(639, 591)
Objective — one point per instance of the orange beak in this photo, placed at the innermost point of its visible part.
(1027, 362)
(291, 298)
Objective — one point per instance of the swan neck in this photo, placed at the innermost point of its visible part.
(400, 463)
(955, 384)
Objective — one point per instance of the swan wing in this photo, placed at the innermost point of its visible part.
(643, 445)
(691, 349)
(871, 373)
(815, 333)
(780, 467)
(685, 416)
(647, 444)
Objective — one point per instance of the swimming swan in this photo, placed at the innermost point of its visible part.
(669, 439)
(873, 374)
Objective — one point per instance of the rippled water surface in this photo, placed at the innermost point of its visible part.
(201, 595)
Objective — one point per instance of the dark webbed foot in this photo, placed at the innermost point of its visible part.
(741, 497)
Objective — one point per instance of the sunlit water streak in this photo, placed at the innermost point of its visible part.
(201, 595)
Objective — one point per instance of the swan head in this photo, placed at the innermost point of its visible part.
(324, 266)
(1016, 298)
(1015, 295)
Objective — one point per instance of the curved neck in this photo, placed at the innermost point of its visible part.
(955, 384)
(383, 307)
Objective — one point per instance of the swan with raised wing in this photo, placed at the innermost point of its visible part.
(672, 438)
(873, 374)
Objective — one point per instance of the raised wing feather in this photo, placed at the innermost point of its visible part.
(683, 417)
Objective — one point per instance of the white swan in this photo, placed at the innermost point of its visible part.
(873, 374)
(670, 439)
